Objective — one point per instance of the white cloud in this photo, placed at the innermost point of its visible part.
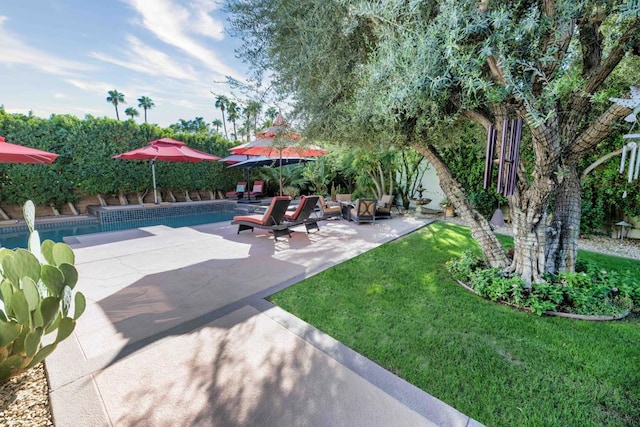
(99, 87)
(142, 58)
(15, 51)
(171, 24)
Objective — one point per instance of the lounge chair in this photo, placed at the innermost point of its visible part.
(272, 219)
(329, 211)
(241, 187)
(364, 211)
(302, 214)
(383, 210)
(257, 189)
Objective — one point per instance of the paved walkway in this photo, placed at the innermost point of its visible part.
(177, 333)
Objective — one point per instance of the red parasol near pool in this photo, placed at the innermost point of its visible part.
(278, 141)
(166, 150)
(12, 153)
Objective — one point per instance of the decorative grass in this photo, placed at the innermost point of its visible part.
(398, 306)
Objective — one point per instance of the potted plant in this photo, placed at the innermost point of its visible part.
(449, 209)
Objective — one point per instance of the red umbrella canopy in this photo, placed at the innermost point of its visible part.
(278, 140)
(167, 150)
(12, 153)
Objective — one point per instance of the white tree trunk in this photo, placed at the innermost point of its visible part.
(73, 208)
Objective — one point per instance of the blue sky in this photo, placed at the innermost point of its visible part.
(62, 56)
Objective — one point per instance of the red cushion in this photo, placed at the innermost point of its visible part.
(256, 219)
(293, 216)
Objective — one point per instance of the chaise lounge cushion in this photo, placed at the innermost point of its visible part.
(272, 220)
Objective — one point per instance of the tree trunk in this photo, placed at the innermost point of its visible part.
(102, 201)
(564, 229)
(73, 208)
(123, 199)
(187, 198)
(480, 227)
(529, 244)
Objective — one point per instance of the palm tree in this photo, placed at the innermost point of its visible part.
(116, 98)
(145, 103)
(247, 122)
(270, 115)
(132, 112)
(234, 114)
(221, 103)
(217, 123)
(254, 108)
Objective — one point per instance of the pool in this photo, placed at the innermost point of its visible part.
(16, 237)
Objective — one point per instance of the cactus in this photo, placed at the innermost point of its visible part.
(35, 300)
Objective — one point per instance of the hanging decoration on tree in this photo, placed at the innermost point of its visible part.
(508, 158)
(630, 148)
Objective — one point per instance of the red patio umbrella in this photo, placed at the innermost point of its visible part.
(278, 141)
(12, 153)
(166, 150)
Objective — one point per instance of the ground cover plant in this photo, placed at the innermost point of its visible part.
(589, 291)
(399, 306)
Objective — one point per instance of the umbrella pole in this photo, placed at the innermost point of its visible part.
(153, 175)
(281, 173)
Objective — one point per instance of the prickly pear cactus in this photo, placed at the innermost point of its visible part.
(36, 293)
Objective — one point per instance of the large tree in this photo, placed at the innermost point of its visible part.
(233, 114)
(221, 103)
(411, 70)
(131, 112)
(114, 97)
(145, 103)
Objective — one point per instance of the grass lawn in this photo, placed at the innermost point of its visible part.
(398, 306)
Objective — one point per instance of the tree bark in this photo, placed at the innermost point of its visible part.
(564, 228)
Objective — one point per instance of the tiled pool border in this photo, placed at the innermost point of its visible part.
(120, 214)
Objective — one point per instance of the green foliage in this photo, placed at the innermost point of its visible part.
(36, 292)
(590, 291)
(498, 365)
(85, 164)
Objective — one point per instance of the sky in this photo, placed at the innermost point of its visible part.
(63, 56)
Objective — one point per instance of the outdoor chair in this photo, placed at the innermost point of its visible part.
(364, 211)
(257, 189)
(343, 197)
(302, 214)
(238, 192)
(327, 210)
(272, 219)
(383, 210)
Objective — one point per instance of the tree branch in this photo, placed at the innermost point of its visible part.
(597, 131)
(600, 73)
(477, 117)
(600, 161)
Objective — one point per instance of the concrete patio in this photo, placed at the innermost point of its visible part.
(177, 332)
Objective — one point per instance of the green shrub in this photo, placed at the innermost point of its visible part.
(589, 291)
(36, 295)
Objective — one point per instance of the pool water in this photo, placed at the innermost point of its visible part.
(19, 239)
